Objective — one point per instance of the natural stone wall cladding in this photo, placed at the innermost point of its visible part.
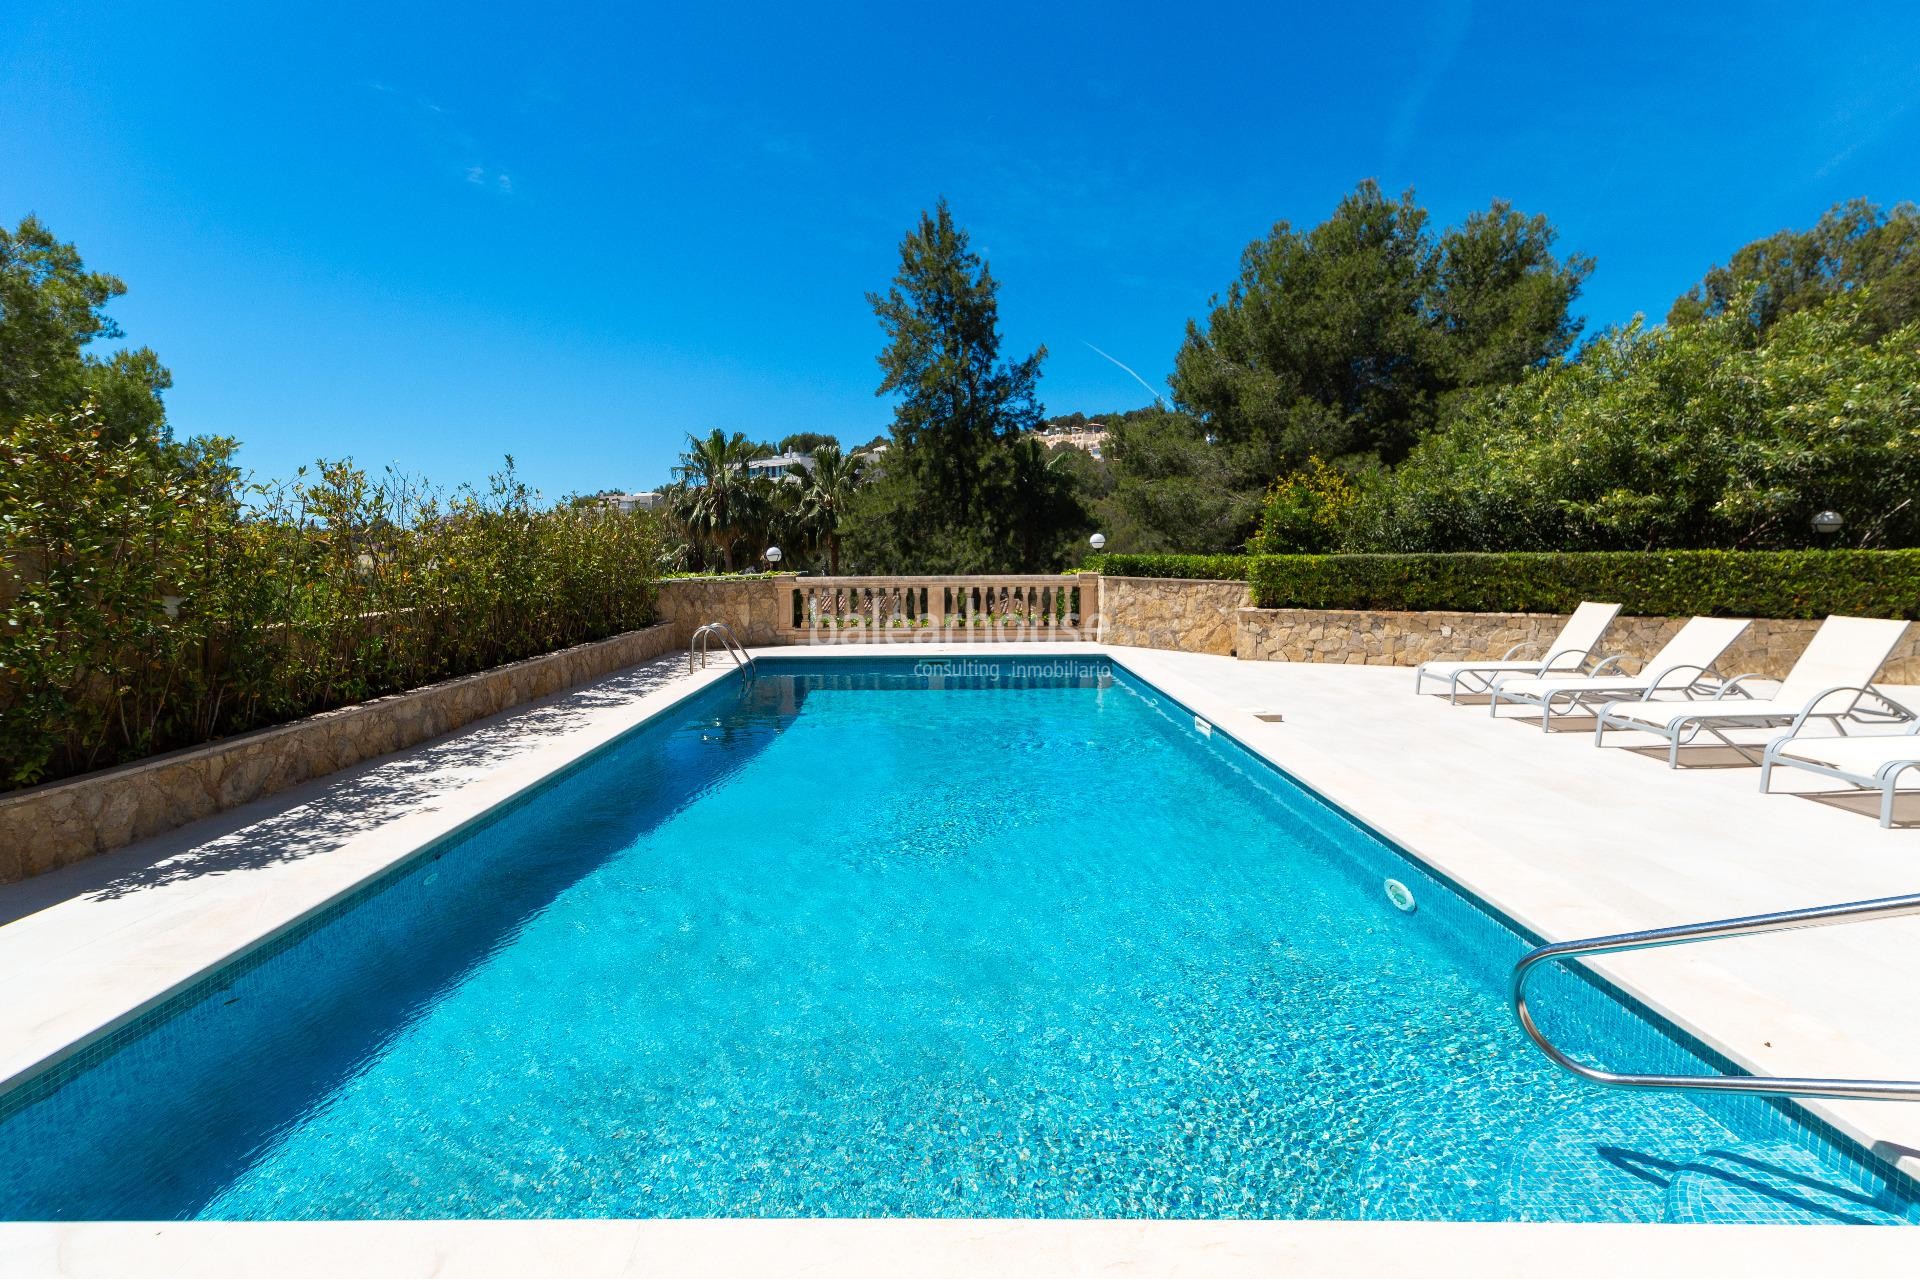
(63, 822)
(748, 605)
(1769, 646)
(1188, 615)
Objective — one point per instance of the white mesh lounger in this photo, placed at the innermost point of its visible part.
(1832, 681)
(1684, 666)
(1568, 652)
(1875, 763)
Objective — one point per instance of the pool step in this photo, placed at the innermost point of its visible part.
(1601, 1156)
(1771, 1183)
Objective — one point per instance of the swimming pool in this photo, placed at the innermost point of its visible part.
(1011, 938)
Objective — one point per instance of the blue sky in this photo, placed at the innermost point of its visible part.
(575, 236)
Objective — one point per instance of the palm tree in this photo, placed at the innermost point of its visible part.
(686, 551)
(826, 491)
(721, 489)
(1041, 504)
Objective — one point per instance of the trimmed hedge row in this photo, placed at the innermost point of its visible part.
(1214, 568)
(1644, 583)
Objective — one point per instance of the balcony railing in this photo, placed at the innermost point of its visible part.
(988, 607)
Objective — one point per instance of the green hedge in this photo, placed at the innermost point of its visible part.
(1645, 583)
(1214, 568)
(151, 599)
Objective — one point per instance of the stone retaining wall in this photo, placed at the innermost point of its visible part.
(1188, 615)
(1769, 646)
(63, 822)
(749, 606)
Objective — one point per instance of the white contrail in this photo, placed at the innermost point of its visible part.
(1157, 399)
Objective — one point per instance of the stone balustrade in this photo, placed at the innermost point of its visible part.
(985, 607)
(787, 608)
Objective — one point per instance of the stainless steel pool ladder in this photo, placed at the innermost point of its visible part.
(1746, 926)
(703, 637)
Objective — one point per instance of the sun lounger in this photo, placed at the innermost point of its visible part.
(1568, 653)
(1832, 681)
(1875, 763)
(1683, 667)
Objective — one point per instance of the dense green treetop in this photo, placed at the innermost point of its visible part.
(1688, 435)
(51, 309)
(1855, 245)
(807, 442)
(1343, 341)
(1501, 299)
(1175, 488)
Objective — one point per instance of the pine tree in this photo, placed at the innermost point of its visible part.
(951, 496)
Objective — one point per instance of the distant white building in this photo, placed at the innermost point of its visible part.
(627, 503)
(775, 467)
(1092, 437)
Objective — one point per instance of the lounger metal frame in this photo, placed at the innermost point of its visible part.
(1682, 732)
(1705, 681)
(1883, 779)
(1485, 677)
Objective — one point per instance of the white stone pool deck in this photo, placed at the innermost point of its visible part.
(1568, 840)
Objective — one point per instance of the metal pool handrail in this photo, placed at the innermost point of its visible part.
(703, 637)
(1745, 926)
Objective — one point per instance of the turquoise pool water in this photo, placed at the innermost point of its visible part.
(862, 940)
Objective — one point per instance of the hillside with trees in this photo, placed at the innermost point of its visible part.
(1376, 382)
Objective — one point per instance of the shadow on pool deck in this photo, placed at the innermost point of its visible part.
(1906, 804)
(319, 816)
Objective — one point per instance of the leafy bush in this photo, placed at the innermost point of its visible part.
(151, 600)
(1305, 511)
(1215, 568)
(1707, 434)
(1646, 583)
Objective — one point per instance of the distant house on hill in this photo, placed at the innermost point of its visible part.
(1090, 436)
(627, 503)
(775, 467)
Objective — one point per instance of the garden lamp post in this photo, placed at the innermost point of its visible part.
(1098, 541)
(773, 557)
(1827, 523)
